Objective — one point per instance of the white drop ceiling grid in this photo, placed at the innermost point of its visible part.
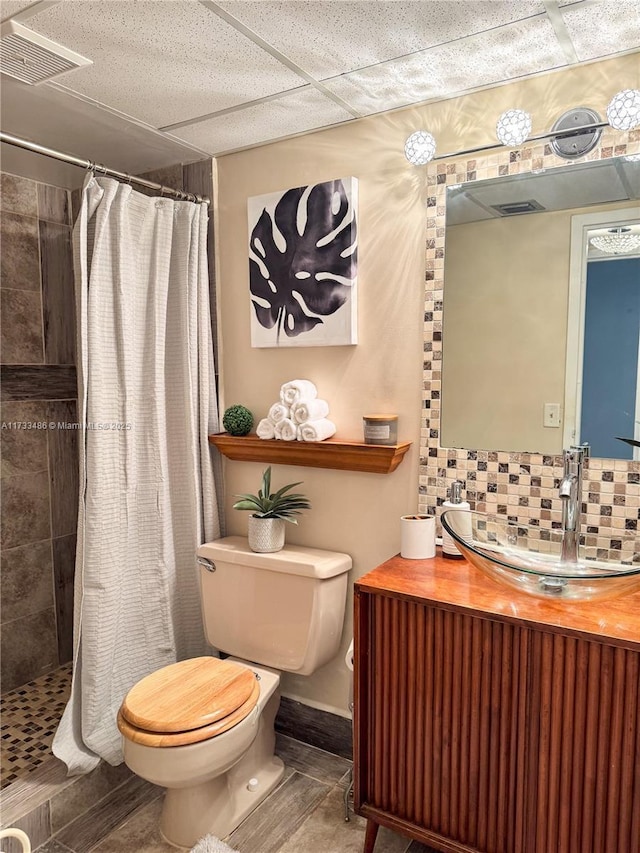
(221, 76)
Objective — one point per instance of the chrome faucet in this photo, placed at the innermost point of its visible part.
(571, 494)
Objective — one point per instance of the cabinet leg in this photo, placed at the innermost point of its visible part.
(370, 836)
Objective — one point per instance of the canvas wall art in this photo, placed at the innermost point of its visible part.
(303, 263)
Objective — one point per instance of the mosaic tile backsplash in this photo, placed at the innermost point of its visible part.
(523, 487)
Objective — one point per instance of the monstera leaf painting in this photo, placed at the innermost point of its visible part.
(303, 264)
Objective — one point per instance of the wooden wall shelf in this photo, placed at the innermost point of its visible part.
(340, 455)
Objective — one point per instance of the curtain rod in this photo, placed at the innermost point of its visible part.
(90, 166)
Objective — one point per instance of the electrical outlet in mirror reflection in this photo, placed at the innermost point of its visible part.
(552, 415)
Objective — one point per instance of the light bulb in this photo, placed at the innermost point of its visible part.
(420, 148)
(623, 112)
(513, 127)
(617, 241)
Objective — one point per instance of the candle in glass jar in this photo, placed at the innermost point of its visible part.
(380, 429)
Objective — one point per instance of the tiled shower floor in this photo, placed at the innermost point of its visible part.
(29, 717)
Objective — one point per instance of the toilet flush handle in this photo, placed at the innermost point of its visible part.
(209, 565)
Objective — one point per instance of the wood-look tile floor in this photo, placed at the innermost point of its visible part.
(305, 814)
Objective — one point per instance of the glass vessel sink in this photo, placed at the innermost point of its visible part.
(528, 558)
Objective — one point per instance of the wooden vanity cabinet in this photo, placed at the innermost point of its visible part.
(483, 727)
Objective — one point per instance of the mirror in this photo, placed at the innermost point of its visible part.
(518, 340)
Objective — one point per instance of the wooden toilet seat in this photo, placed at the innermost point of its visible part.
(188, 702)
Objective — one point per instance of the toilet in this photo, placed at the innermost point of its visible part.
(204, 728)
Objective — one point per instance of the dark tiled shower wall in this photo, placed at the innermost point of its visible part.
(39, 456)
(39, 464)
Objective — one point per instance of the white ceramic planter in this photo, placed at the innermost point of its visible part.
(266, 534)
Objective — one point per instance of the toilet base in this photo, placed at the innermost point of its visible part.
(219, 806)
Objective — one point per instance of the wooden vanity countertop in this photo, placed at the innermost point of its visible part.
(458, 586)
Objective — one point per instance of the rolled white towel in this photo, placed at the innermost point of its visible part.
(286, 430)
(316, 430)
(297, 390)
(278, 412)
(309, 410)
(266, 429)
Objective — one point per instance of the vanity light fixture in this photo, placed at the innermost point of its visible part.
(617, 241)
(420, 148)
(574, 134)
(623, 111)
(585, 136)
(513, 127)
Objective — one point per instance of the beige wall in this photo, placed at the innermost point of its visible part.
(354, 512)
(496, 290)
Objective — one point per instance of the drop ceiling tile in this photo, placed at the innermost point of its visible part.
(161, 62)
(600, 29)
(301, 111)
(502, 54)
(12, 7)
(330, 38)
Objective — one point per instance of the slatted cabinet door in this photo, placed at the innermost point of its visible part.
(439, 697)
(476, 734)
(583, 757)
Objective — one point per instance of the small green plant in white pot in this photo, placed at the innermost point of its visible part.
(269, 511)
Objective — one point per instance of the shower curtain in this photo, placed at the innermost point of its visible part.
(147, 495)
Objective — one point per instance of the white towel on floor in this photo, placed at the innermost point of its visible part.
(266, 429)
(286, 430)
(309, 410)
(296, 390)
(316, 430)
(278, 412)
(211, 844)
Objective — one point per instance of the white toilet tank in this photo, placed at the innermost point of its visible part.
(284, 610)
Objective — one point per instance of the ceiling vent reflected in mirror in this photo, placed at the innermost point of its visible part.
(517, 207)
(615, 179)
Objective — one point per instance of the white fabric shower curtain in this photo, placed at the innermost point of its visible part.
(147, 497)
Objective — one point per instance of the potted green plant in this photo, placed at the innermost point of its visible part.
(269, 511)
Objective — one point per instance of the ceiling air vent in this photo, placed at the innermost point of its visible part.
(32, 58)
(512, 208)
